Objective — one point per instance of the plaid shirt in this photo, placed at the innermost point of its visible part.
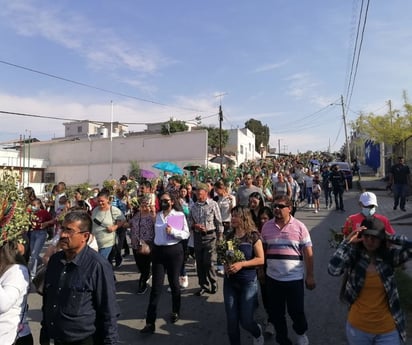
(348, 257)
(208, 214)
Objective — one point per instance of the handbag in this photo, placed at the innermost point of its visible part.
(144, 247)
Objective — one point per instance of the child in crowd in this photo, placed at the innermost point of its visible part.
(316, 189)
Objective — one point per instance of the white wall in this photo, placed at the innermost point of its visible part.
(96, 160)
(245, 138)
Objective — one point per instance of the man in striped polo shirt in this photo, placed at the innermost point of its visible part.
(288, 255)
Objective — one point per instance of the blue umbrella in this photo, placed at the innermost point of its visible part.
(169, 167)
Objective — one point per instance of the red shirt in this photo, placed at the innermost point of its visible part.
(40, 217)
(355, 220)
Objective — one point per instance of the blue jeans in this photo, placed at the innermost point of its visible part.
(241, 301)
(399, 195)
(357, 337)
(309, 195)
(105, 252)
(37, 240)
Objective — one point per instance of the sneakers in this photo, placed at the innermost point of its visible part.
(148, 329)
(183, 282)
(316, 211)
(260, 340)
(270, 329)
(219, 270)
(119, 262)
(302, 339)
(174, 317)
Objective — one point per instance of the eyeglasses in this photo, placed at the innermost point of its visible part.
(280, 206)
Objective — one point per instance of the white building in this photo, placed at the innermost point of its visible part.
(87, 156)
(242, 144)
(88, 128)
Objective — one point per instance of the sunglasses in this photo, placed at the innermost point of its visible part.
(280, 206)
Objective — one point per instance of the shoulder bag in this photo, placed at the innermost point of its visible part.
(143, 248)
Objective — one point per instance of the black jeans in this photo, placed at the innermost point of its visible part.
(143, 263)
(282, 295)
(87, 341)
(338, 192)
(165, 260)
(116, 253)
(26, 340)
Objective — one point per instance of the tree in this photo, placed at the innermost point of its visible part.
(14, 218)
(388, 128)
(174, 126)
(260, 131)
(134, 169)
(213, 137)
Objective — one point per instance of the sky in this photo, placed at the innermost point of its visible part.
(284, 63)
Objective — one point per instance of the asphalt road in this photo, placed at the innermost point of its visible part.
(203, 319)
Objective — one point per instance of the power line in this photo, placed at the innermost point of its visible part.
(94, 87)
(58, 118)
(356, 52)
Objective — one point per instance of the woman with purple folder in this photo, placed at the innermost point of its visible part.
(167, 257)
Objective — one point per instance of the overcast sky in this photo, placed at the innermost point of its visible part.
(285, 63)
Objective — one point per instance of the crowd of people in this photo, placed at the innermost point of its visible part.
(250, 214)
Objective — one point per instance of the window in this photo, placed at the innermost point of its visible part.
(250, 147)
(79, 129)
(241, 149)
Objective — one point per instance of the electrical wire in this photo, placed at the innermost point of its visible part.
(360, 33)
(78, 120)
(349, 97)
(94, 87)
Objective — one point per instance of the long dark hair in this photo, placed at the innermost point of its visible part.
(9, 255)
(176, 204)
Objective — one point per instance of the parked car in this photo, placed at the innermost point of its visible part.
(345, 167)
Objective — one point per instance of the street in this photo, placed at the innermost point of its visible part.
(203, 319)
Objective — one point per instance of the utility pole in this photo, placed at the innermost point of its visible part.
(220, 137)
(346, 132)
(220, 131)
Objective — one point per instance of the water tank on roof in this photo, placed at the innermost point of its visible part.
(104, 132)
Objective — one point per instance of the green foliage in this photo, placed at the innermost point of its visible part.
(173, 127)
(228, 251)
(85, 190)
(213, 137)
(14, 217)
(110, 185)
(390, 128)
(261, 132)
(134, 169)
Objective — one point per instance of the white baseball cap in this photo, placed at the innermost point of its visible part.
(368, 199)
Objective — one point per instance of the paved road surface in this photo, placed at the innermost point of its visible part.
(203, 318)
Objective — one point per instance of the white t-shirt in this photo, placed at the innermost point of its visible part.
(13, 287)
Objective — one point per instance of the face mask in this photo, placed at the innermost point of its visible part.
(165, 205)
(367, 212)
(34, 208)
(95, 195)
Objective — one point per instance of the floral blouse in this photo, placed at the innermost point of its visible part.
(141, 228)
